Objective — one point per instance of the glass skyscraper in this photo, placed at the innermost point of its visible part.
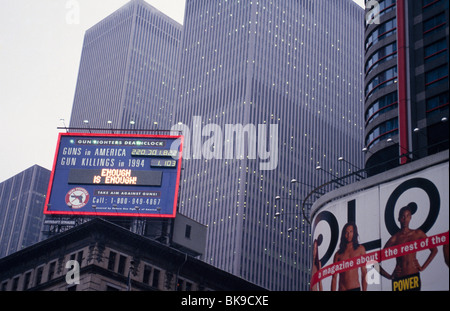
(295, 67)
(286, 77)
(22, 199)
(127, 71)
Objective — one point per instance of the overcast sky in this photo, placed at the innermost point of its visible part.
(40, 51)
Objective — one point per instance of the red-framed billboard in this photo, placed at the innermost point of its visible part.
(115, 175)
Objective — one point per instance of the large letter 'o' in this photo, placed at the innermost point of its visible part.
(433, 195)
(334, 227)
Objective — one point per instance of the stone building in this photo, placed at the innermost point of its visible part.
(101, 256)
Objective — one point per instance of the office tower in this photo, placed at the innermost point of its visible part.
(290, 73)
(406, 82)
(127, 70)
(22, 199)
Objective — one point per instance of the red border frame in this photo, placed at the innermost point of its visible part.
(177, 183)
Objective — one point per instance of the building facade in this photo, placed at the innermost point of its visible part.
(101, 256)
(285, 77)
(406, 82)
(128, 70)
(406, 159)
(22, 199)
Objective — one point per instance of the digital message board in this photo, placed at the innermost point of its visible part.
(115, 175)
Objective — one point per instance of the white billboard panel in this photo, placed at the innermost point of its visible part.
(391, 237)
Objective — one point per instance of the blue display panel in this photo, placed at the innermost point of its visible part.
(115, 175)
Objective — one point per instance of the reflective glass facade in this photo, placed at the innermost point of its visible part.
(22, 199)
(294, 64)
(127, 70)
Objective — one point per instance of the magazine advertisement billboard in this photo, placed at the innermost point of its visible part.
(115, 175)
(391, 237)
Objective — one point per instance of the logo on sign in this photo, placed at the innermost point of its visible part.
(77, 197)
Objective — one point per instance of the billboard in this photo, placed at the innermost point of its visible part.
(392, 236)
(115, 175)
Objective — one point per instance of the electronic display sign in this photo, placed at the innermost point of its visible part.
(115, 175)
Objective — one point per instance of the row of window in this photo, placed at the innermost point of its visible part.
(428, 4)
(37, 276)
(116, 262)
(382, 80)
(383, 7)
(436, 77)
(433, 78)
(383, 131)
(382, 55)
(385, 30)
(434, 24)
(150, 275)
(381, 106)
(437, 103)
(435, 50)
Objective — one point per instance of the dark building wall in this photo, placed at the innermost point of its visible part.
(406, 83)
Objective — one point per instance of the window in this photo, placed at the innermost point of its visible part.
(155, 280)
(380, 56)
(147, 273)
(437, 103)
(384, 30)
(381, 106)
(15, 283)
(80, 257)
(381, 132)
(429, 4)
(187, 232)
(39, 272)
(385, 6)
(382, 80)
(26, 281)
(180, 285)
(435, 50)
(110, 288)
(112, 260)
(122, 262)
(433, 24)
(51, 270)
(426, 3)
(436, 76)
(188, 286)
